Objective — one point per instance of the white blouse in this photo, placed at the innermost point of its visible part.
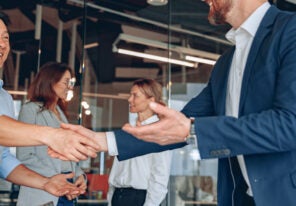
(148, 172)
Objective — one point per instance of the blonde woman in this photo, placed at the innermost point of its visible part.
(141, 181)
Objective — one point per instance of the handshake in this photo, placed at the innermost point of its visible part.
(78, 143)
(75, 142)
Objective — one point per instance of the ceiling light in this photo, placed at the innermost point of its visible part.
(155, 57)
(162, 45)
(157, 2)
(200, 60)
(91, 45)
(87, 112)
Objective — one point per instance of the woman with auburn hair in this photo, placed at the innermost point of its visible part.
(141, 180)
(47, 106)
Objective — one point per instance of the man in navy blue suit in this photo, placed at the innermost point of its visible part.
(246, 116)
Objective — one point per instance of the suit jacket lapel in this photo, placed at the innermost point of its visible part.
(222, 81)
(261, 33)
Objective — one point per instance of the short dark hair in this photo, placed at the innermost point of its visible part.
(4, 18)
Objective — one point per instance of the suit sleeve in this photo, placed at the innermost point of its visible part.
(129, 146)
(201, 105)
(267, 116)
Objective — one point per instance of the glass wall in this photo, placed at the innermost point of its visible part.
(173, 32)
(109, 44)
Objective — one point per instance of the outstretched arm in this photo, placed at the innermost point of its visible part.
(56, 185)
(66, 142)
(127, 146)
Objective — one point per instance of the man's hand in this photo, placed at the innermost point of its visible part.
(173, 127)
(73, 146)
(99, 138)
(58, 185)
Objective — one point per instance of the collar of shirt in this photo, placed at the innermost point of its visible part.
(150, 120)
(1, 83)
(251, 25)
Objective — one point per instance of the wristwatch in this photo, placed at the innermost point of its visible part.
(191, 138)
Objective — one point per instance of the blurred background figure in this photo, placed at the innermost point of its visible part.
(141, 180)
(47, 106)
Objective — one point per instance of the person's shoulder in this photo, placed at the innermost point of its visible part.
(286, 26)
(5, 94)
(32, 105)
(286, 16)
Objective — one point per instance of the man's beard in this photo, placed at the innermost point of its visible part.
(218, 12)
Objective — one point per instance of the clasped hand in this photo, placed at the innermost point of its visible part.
(59, 186)
(97, 138)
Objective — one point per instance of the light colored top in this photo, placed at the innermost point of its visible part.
(36, 157)
(7, 161)
(242, 37)
(148, 172)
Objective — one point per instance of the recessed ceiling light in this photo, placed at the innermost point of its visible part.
(157, 2)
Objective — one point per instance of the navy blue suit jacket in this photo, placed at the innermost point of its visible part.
(265, 132)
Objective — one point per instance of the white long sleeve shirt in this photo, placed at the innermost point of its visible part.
(149, 172)
(242, 37)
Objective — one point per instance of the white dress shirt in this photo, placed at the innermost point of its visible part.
(242, 37)
(148, 172)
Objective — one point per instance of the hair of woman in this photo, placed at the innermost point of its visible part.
(151, 88)
(41, 89)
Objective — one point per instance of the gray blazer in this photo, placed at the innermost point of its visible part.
(36, 158)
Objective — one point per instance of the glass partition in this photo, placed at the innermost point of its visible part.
(117, 58)
(193, 181)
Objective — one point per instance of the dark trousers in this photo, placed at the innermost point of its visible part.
(128, 196)
(63, 201)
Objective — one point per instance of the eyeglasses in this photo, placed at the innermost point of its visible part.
(71, 82)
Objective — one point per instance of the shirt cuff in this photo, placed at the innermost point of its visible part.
(111, 143)
(8, 162)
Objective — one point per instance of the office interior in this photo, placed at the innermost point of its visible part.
(109, 44)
